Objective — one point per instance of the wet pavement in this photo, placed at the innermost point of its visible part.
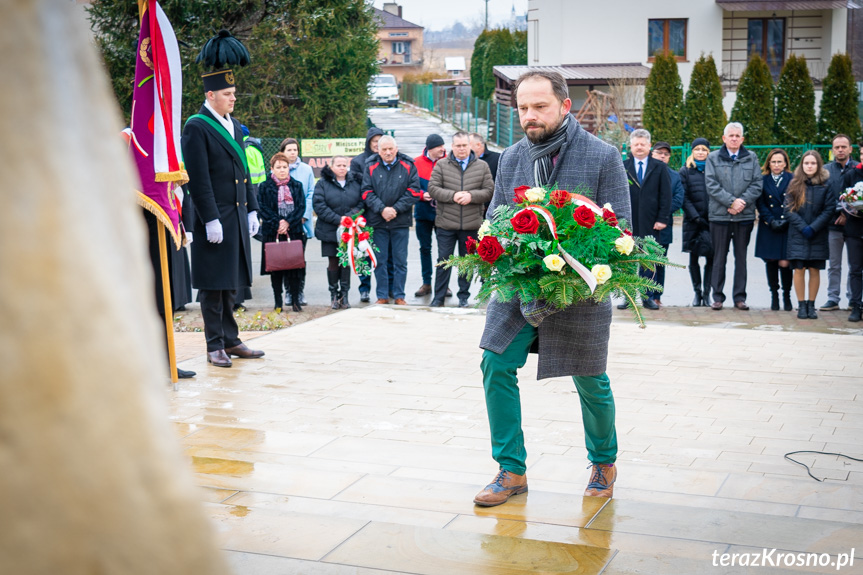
(357, 444)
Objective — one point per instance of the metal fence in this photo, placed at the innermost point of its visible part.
(496, 122)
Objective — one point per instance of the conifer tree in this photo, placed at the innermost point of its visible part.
(703, 112)
(663, 101)
(795, 104)
(754, 104)
(839, 103)
(492, 48)
(311, 60)
(477, 65)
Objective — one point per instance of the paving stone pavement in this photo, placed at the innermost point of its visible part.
(357, 444)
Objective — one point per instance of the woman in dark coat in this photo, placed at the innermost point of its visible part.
(853, 232)
(809, 205)
(773, 227)
(282, 204)
(696, 228)
(337, 194)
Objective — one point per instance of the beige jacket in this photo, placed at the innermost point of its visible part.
(447, 178)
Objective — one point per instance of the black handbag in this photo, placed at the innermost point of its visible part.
(703, 244)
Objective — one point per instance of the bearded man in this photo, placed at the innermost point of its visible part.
(572, 342)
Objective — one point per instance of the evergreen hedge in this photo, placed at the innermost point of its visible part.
(663, 100)
(498, 47)
(795, 104)
(703, 112)
(754, 104)
(310, 67)
(839, 102)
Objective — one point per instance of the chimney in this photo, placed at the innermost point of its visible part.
(393, 8)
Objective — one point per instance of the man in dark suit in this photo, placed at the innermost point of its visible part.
(479, 147)
(650, 196)
(226, 215)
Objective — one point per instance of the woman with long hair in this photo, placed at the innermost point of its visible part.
(770, 243)
(809, 205)
(282, 203)
(696, 224)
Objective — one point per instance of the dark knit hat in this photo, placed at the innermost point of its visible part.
(700, 142)
(433, 141)
(662, 146)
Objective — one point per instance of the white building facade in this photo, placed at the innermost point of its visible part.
(581, 32)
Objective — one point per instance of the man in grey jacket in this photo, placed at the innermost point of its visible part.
(572, 342)
(733, 178)
(460, 184)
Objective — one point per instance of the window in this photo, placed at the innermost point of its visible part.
(667, 36)
(766, 38)
(398, 47)
(403, 49)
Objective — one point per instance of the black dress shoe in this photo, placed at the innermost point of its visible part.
(219, 358)
(183, 374)
(623, 305)
(239, 307)
(243, 351)
(462, 303)
(436, 303)
(649, 304)
(364, 297)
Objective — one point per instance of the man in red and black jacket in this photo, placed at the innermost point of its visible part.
(425, 210)
(390, 189)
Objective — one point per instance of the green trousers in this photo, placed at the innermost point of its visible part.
(500, 379)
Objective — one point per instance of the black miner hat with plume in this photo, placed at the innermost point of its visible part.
(222, 50)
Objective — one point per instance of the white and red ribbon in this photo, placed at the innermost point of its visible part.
(362, 246)
(579, 268)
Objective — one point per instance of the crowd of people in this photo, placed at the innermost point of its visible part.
(801, 223)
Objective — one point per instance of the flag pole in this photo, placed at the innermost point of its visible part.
(169, 309)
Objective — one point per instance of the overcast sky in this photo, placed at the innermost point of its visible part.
(440, 14)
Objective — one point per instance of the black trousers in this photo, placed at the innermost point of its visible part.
(725, 235)
(446, 242)
(855, 268)
(220, 327)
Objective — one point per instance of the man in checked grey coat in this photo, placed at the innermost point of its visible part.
(571, 342)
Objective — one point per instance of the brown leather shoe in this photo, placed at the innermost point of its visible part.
(741, 305)
(504, 486)
(400, 301)
(219, 358)
(602, 479)
(243, 351)
(717, 305)
(383, 301)
(425, 289)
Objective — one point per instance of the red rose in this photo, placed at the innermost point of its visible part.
(519, 194)
(471, 245)
(525, 222)
(347, 222)
(559, 198)
(361, 221)
(584, 216)
(627, 232)
(609, 217)
(489, 249)
(346, 237)
(363, 236)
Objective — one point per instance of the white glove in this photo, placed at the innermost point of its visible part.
(254, 224)
(189, 238)
(214, 232)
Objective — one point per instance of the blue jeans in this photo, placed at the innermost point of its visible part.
(393, 245)
(366, 281)
(424, 230)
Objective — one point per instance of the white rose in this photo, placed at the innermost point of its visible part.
(601, 272)
(553, 262)
(607, 206)
(535, 195)
(624, 244)
(484, 229)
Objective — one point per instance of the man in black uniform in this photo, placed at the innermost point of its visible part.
(226, 215)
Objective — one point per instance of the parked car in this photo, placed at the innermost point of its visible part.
(384, 90)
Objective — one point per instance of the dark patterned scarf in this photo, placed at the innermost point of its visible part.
(540, 154)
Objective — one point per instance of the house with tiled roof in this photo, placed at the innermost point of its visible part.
(400, 49)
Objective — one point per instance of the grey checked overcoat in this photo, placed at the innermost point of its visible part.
(573, 341)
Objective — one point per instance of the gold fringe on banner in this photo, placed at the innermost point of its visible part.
(155, 209)
(180, 176)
